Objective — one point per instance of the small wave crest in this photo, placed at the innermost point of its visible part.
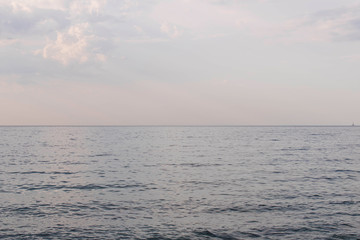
(79, 187)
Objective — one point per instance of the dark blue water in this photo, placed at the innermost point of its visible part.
(179, 183)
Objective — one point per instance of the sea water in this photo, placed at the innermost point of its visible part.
(179, 183)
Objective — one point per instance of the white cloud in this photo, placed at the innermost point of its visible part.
(6, 42)
(171, 30)
(20, 7)
(202, 18)
(30, 5)
(71, 45)
(34, 21)
(87, 6)
(100, 57)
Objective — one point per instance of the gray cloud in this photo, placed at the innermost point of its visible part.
(340, 24)
(38, 21)
(64, 31)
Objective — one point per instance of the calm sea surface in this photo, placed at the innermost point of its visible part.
(179, 183)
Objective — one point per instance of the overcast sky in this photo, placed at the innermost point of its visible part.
(155, 62)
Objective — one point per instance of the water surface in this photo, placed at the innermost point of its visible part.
(180, 182)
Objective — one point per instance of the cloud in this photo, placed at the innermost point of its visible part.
(87, 6)
(171, 30)
(20, 19)
(341, 24)
(200, 18)
(57, 27)
(74, 31)
(61, 28)
(71, 45)
(20, 7)
(30, 5)
(6, 42)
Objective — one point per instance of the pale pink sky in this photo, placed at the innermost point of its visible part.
(179, 62)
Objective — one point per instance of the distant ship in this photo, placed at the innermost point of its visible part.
(353, 125)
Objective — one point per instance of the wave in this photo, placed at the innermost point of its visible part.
(89, 187)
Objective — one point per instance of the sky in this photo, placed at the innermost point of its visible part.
(179, 62)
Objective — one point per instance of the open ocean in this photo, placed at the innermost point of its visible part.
(179, 183)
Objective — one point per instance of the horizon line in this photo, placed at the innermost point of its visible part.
(178, 125)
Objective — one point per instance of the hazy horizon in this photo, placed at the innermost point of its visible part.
(188, 125)
(179, 62)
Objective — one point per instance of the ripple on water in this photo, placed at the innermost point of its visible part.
(179, 183)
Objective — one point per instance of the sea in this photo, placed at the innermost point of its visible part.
(180, 182)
